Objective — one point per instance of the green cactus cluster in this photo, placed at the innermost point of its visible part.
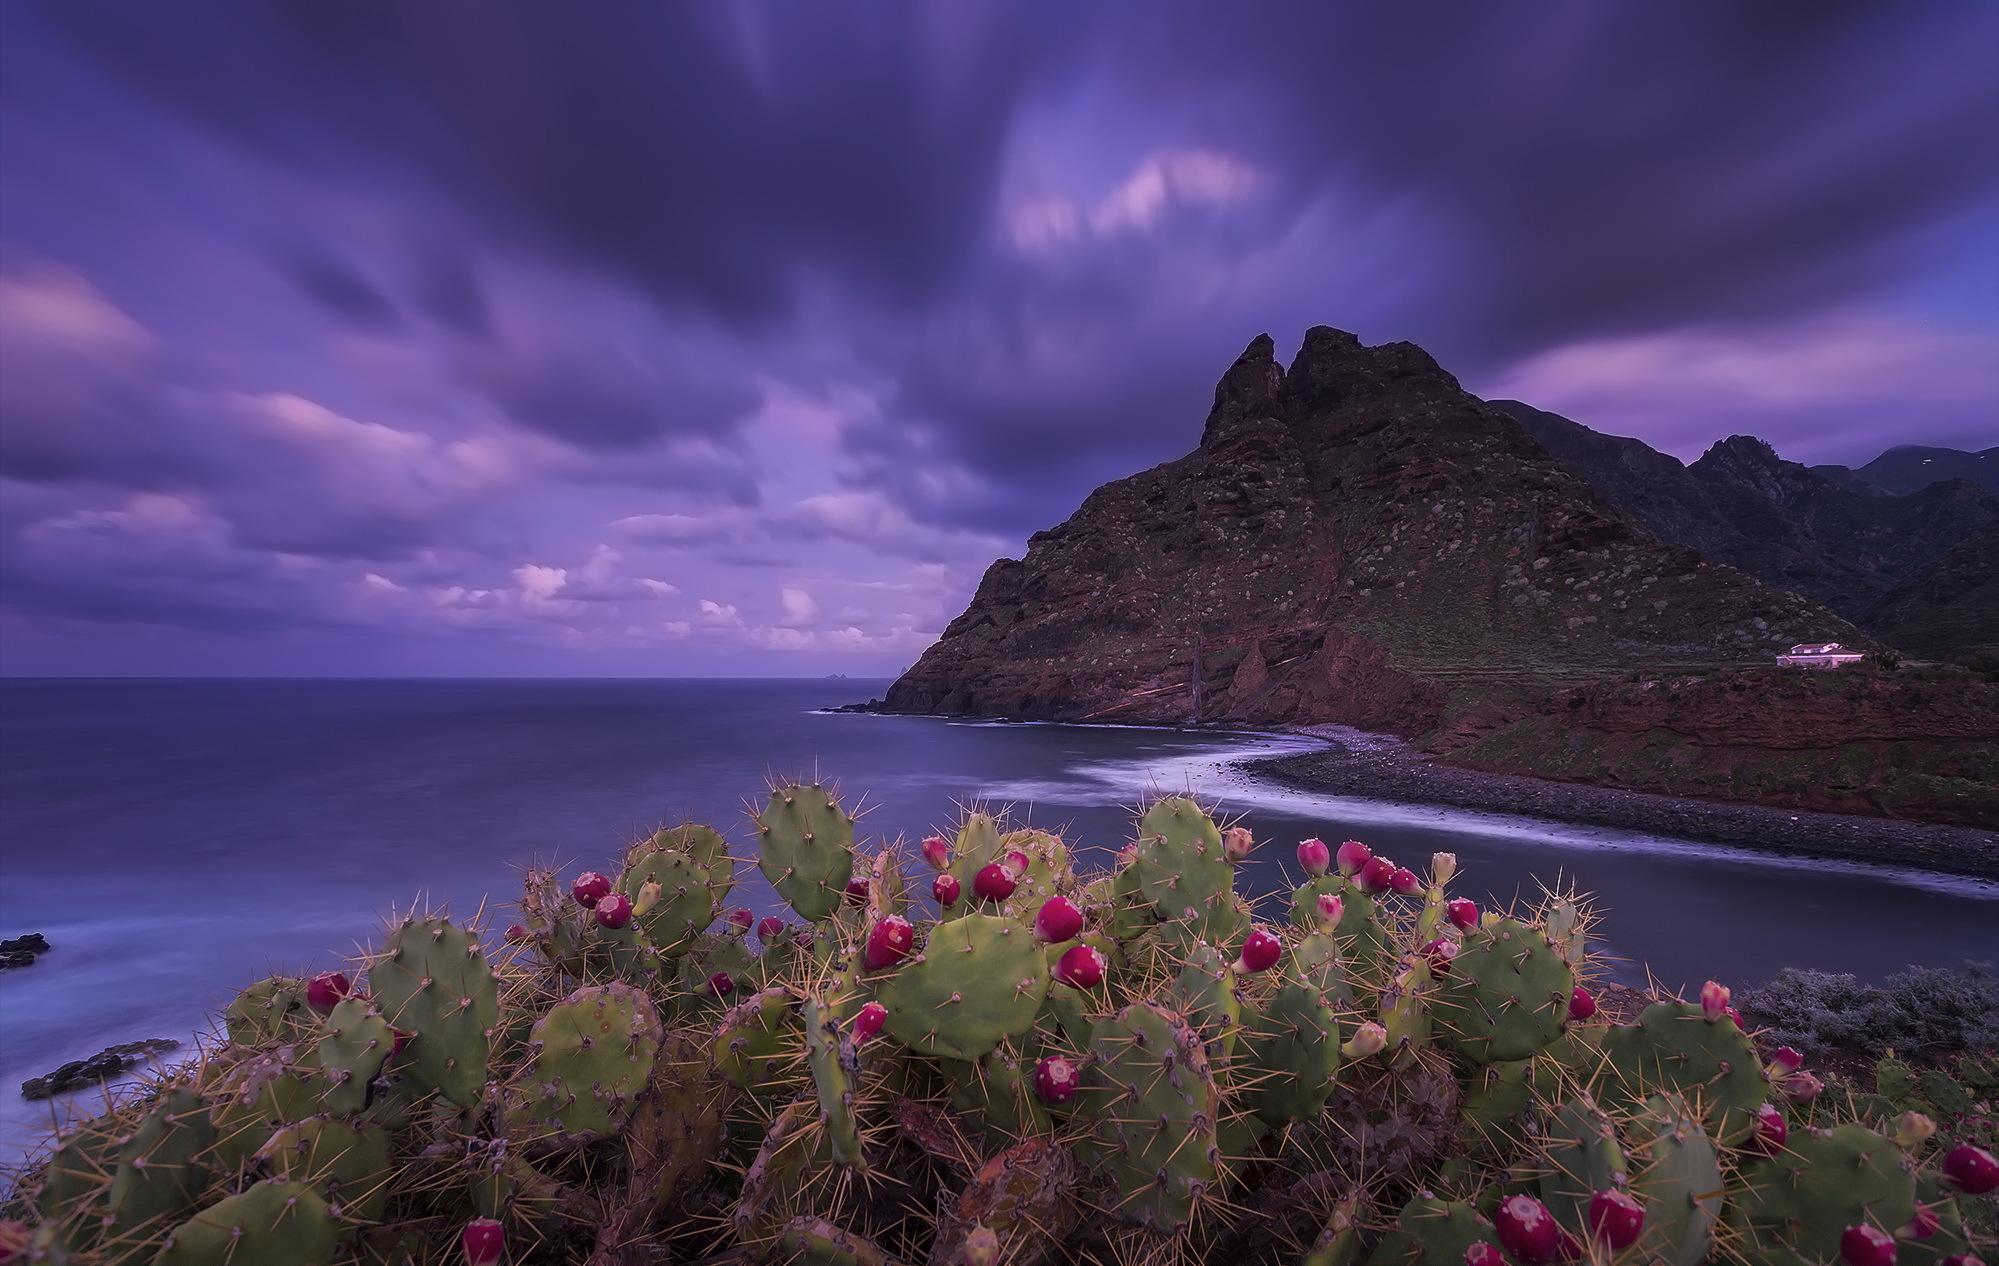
(1241, 1085)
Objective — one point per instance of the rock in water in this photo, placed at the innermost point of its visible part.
(103, 1066)
(1357, 540)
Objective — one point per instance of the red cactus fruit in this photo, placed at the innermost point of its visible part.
(1616, 1219)
(324, 991)
(1802, 1087)
(1056, 1079)
(1963, 1259)
(769, 928)
(1771, 1132)
(889, 942)
(994, 882)
(1463, 913)
(936, 851)
(1058, 920)
(614, 911)
(1440, 952)
(1736, 1016)
(1314, 856)
(721, 985)
(1582, 1004)
(1865, 1245)
(857, 891)
(1403, 882)
(1528, 1231)
(1238, 843)
(742, 920)
(946, 889)
(1714, 1001)
(1352, 855)
(589, 888)
(518, 934)
(1484, 1253)
(1082, 967)
(1923, 1224)
(868, 1021)
(1018, 862)
(484, 1242)
(1787, 1058)
(1972, 1169)
(1375, 874)
(1260, 951)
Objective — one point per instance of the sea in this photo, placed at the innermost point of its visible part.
(178, 839)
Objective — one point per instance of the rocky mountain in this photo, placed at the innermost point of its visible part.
(1358, 540)
(1908, 468)
(1826, 532)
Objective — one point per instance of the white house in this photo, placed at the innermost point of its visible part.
(1818, 655)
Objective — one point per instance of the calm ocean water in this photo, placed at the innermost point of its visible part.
(177, 839)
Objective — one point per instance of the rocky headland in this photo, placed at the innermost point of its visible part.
(1357, 540)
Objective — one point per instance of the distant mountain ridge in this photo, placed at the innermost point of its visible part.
(1844, 537)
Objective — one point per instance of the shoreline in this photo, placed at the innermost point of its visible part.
(1387, 769)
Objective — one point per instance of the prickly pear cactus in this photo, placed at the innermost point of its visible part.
(806, 849)
(591, 1056)
(349, 1167)
(271, 1010)
(979, 978)
(1583, 1157)
(759, 1041)
(1153, 1106)
(1182, 869)
(432, 980)
(1433, 1232)
(680, 903)
(162, 1165)
(357, 1041)
(1677, 1175)
(1506, 994)
(271, 1224)
(1205, 993)
(1675, 1047)
(836, 1068)
(1296, 1038)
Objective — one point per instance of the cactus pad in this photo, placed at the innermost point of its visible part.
(271, 1224)
(592, 1054)
(980, 978)
(1506, 995)
(1153, 1106)
(432, 980)
(805, 846)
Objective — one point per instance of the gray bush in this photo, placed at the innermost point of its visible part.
(1922, 1009)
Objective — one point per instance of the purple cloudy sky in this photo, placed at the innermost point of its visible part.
(676, 337)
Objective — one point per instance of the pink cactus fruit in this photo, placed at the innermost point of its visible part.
(1615, 1219)
(1331, 911)
(589, 888)
(1238, 843)
(1082, 967)
(1802, 1087)
(1375, 874)
(1714, 1001)
(721, 985)
(946, 890)
(1528, 1231)
(868, 1021)
(1923, 1223)
(1484, 1253)
(484, 1242)
(324, 991)
(1260, 951)
(889, 942)
(1314, 856)
(994, 882)
(1056, 1079)
(1771, 1133)
(1786, 1060)
(742, 920)
(614, 911)
(857, 891)
(1582, 1004)
(1866, 1245)
(518, 934)
(1018, 862)
(769, 928)
(1058, 920)
(1440, 952)
(936, 851)
(1972, 1169)
(1352, 856)
(1463, 913)
(1403, 882)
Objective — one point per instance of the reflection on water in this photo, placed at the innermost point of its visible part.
(177, 839)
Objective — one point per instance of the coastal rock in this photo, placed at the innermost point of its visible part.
(110, 1062)
(1355, 540)
(20, 951)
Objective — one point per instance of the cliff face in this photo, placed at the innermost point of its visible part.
(1824, 532)
(1357, 540)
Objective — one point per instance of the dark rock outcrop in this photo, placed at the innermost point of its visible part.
(1357, 540)
(112, 1061)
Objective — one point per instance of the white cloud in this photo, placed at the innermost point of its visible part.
(798, 605)
(1160, 183)
(540, 584)
(718, 615)
(658, 588)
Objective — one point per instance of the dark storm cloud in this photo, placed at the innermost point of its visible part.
(341, 289)
(711, 152)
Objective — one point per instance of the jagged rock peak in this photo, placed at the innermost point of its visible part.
(1252, 388)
